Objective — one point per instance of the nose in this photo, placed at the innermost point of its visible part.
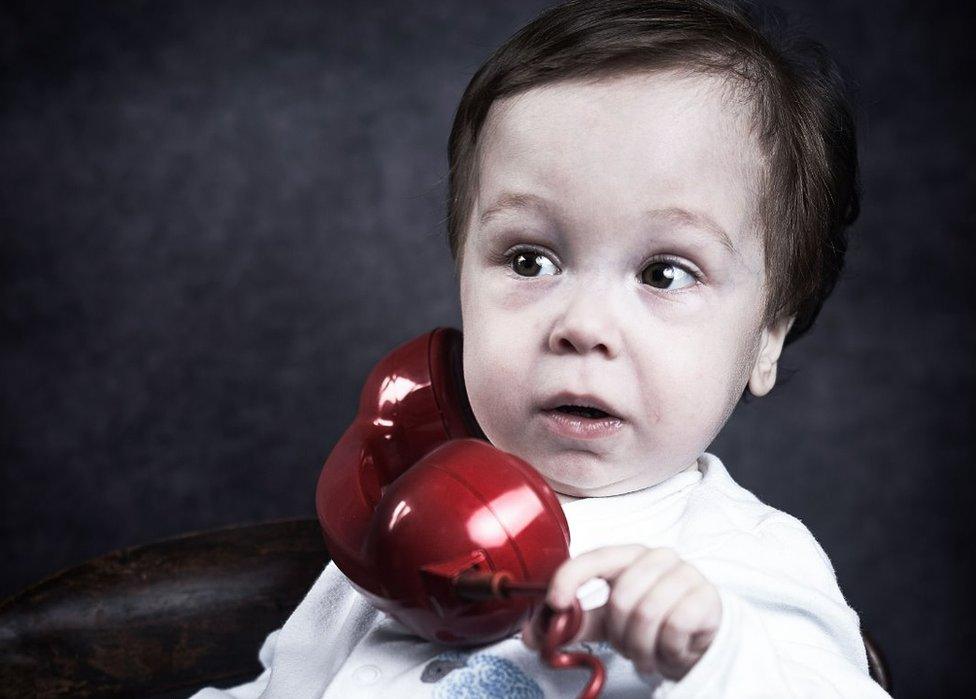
(587, 324)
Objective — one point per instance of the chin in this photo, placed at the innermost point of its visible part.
(582, 477)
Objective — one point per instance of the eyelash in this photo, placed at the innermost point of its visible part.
(509, 257)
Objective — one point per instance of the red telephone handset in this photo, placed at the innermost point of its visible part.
(447, 534)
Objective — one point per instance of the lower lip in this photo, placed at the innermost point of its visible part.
(578, 427)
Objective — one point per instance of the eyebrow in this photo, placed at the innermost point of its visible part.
(694, 219)
(519, 201)
(513, 201)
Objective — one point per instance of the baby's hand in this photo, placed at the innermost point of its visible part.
(662, 613)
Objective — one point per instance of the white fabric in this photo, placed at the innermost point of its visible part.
(786, 630)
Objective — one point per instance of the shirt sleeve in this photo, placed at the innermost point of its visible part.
(249, 690)
(302, 657)
(786, 631)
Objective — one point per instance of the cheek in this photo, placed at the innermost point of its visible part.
(691, 385)
(499, 318)
(685, 384)
(493, 375)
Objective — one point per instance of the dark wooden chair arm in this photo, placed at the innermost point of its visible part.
(162, 619)
(877, 663)
(167, 618)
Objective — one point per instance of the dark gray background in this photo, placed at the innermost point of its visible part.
(217, 216)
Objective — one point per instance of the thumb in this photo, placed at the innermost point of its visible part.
(592, 628)
(528, 635)
(593, 596)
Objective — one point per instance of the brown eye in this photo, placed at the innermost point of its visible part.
(530, 264)
(666, 275)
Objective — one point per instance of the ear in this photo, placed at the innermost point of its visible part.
(763, 376)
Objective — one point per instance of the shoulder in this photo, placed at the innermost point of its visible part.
(731, 521)
(728, 507)
(771, 561)
(332, 603)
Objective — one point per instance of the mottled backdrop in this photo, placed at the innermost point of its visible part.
(216, 216)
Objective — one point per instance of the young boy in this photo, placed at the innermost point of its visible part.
(647, 201)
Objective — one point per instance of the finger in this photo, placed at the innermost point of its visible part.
(528, 635)
(688, 630)
(591, 628)
(606, 563)
(591, 595)
(631, 585)
(593, 625)
(640, 638)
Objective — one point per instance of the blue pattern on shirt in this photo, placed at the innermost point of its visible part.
(481, 675)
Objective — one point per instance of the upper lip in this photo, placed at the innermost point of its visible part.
(584, 399)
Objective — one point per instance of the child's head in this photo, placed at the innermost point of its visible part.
(646, 202)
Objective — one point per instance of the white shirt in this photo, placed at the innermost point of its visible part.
(786, 630)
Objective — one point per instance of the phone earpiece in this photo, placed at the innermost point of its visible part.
(413, 496)
(452, 537)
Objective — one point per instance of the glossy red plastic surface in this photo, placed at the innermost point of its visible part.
(412, 496)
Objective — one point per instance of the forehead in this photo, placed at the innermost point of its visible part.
(614, 148)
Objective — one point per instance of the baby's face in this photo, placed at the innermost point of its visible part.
(612, 252)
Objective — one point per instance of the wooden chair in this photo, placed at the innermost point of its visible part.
(167, 618)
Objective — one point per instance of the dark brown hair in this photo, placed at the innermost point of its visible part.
(801, 113)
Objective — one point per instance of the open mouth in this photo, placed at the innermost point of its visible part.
(582, 422)
(583, 411)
